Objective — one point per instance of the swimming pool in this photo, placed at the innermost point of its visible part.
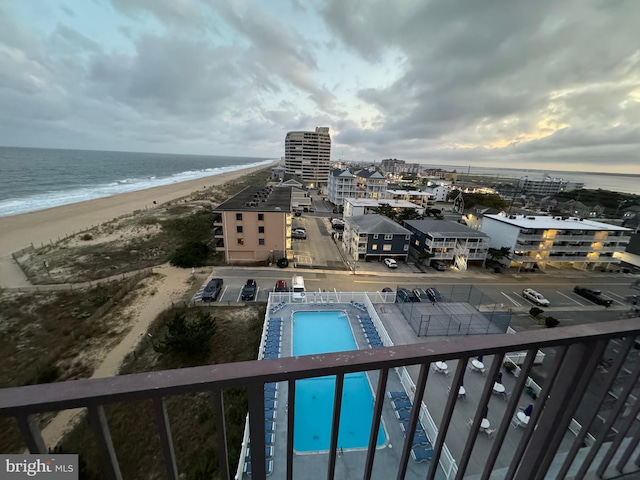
(325, 332)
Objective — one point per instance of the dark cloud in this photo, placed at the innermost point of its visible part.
(480, 72)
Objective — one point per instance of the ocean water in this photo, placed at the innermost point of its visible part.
(33, 179)
(625, 183)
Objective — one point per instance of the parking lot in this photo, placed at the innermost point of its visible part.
(318, 249)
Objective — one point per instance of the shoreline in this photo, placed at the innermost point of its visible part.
(20, 231)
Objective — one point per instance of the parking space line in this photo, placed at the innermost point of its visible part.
(239, 294)
(615, 294)
(613, 299)
(511, 299)
(573, 300)
(223, 292)
(255, 298)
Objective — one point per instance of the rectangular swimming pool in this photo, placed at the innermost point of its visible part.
(325, 332)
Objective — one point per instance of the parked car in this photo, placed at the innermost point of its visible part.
(281, 286)
(535, 297)
(421, 294)
(404, 296)
(593, 295)
(249, 290)
(299, 235)
(300, 229)
(297, 214)
(438, 265)
(434, 294)
(391, 263)
(387, 290)
(212, 290)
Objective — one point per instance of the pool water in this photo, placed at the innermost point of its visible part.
(325, 332)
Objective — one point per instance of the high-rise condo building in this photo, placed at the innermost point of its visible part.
(308, 155)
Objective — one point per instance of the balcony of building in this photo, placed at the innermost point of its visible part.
(582, 423)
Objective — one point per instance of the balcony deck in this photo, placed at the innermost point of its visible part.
(512, 452)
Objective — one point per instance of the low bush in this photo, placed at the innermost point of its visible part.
(193, 254)
(535, 311)
(191, 338)
(551, 322)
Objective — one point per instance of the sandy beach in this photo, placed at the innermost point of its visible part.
(19, 231)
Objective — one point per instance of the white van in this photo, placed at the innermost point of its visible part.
(297, 288)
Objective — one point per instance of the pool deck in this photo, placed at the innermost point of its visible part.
(350, 464)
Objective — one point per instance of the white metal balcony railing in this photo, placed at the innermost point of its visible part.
(579, 350)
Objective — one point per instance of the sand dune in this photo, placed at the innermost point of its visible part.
(19, 231)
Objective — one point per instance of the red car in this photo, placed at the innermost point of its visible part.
(281, 286)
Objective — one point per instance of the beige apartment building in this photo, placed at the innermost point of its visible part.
(255, 225)
(308, 156)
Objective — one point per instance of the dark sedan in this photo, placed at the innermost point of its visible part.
(249, 290)
(593, 295)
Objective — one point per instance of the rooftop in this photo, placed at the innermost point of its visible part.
(376, 224)
(259, 199)
(373, 202)
(410, 192)
(555, 223)
(443, 228)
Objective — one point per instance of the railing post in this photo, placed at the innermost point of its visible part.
(98, 422)
(550, 411)
(30, 427)
(255, 393)
(221, 432)
(166, 441)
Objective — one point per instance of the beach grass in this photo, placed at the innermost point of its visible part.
(50, 336)
(133, 426)
(146, 239)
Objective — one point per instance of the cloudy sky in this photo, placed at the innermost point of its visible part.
(541, 84)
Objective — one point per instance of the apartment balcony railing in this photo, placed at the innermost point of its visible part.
(579, 352)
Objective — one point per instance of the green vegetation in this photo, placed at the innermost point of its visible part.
(535, 311)
(45, 335)
(190, 338)
(492, 200)
(551, 322)
(192, 254)
(191, 416)
(613, 202)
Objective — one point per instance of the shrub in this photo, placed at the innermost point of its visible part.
(535, 311)
(190, 338)
(193, 254)
(509, 366)
(87, 237)
(551, 322)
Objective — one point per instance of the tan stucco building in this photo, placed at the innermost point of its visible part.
(255, 225)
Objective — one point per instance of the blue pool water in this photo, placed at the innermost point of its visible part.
(325, 332)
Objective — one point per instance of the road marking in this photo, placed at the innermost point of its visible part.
(239, 294)
(573, 300)
(511, 299)
(222, 295)
(615, 294)
(613, 299)
(255, 297)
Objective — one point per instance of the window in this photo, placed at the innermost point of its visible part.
(239, 229)
(238, 216)
(241, 241)
(261, 217)
(388, 236)
(375, 236)
(374, 247)
(386, 248)
(261, 241)
(260, 229)
(405, 248)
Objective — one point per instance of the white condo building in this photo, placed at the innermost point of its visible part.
(308, 155)
(547, 185)
(556, 241)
